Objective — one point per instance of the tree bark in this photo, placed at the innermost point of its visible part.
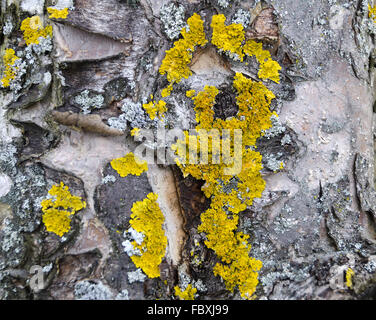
(67, 117)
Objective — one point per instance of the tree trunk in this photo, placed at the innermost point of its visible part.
(76, 97)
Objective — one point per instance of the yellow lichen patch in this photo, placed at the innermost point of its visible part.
(187, 294)
(228, 38)
(349, 276)
(190, 93)
(204, 102)
(58, 13)
(269, 69)
(175, 64)
(230, 193)
(166, 92)
(33, 29)
(147, 218)
(155, 109)
(372, 12)
(57, 211)
(237, 269)
(135, 132)
(9, 59)
(221, 151)
(253, 100)
(254, 116)
(129, 164)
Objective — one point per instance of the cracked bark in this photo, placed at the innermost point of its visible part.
(316, 218)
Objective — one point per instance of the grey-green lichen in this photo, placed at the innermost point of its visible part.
(172, 17)
(273, 162)
(119, 123)
(136, 276)
(32, 6)
(123, 295)
(31, 65)
(62, 4)
(286, 140)
(199, 285)
(108, 179)
(28, 187)
(97, 290)
(8, 158)
(132, 235)
(8, 27)
(242, 17)
(92, 290)
(134, 114)
(12, 247)
(224, 3)
(89, 101)
(276, 129)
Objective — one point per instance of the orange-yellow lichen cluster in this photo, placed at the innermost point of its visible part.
(269, 69)
(129, 164)
(147, 218)
(231, 38)
(155, 109)
(349, 277)
(58, 210)
(9, 59)
(232, 178)
(57, 13)
(253, 118)
(175, 64)
(228, 38)
(187, 294)
(372, 12)
(135, 132)
(33, 29)
(230, 193)
(166, 92)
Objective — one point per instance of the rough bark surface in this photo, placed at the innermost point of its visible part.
(317, 216)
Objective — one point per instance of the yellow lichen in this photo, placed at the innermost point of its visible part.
(175, 64)
(254, 115)
(220, 221)
(155, 109)
(269, 69)
(349, 276)
(237, 268)
(135, 132)
(9, 59)
(58, 13)
(228, 38)
(187, 294)
(57, 211)
(372, 12)
(129, 164)
(233, 178)
(147, 218)
(33, 29)
(166, 92)
(190, 93)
